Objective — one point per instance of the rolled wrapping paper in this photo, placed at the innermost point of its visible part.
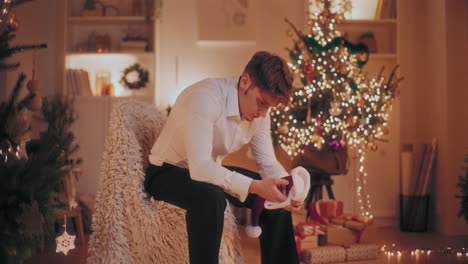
(406, 168)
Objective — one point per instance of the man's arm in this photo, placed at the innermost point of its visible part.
(262, 149)
(203, 109)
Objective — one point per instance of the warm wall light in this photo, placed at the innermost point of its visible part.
(111, 63)
(103, 83)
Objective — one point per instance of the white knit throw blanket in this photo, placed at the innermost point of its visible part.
(127, 227)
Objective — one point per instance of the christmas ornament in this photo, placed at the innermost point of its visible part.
(316, 138)
(13, 23)
(289, 33)
(385, 131)
(308, 68)
(373, 147)
(284, 129)
(361, 103)
(134, 77)
(363, 56)
(335, 145)
(335, 108)
(65, 242)
(8, 151)
(301, 44)
(351, 121)
(34, 87)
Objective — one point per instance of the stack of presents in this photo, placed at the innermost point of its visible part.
(331, 236)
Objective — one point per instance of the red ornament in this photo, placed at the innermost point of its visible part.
(361, 103)
(308, 68)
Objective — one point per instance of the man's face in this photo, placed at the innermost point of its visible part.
(253, 101)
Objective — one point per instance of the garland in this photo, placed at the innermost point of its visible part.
(312, 44)
(140, 82)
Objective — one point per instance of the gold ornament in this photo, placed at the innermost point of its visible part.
(310, 22)
(13, 23)
(316, 138)
(289, 33)
(385, 131)
(301, 44)
(343, 69)
(35, 104)
(373, 147)
(335, 108)
(362, 56)
(33, 86)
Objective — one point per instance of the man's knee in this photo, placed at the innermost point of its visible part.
(277, 214)
(212, 197)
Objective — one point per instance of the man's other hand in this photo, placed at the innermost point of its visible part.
(268, 189)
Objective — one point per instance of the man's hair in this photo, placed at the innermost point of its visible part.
(271, 73)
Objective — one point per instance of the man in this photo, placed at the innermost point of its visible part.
(209, 120)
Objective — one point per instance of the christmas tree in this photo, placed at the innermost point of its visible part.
(335, 105)
(31, 172)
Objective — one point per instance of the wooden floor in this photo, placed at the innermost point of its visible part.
(403, 241)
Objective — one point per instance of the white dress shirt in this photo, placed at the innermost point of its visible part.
(204, 126)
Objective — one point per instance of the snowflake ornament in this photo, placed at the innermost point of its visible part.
(65, 242)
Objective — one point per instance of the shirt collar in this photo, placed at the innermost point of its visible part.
(232, 105)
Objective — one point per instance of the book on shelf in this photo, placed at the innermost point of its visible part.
(78, 82)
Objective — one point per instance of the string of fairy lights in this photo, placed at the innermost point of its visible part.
(336, 105)
(419, 254)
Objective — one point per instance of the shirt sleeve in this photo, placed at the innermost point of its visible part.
(203, 111)
(262, 149)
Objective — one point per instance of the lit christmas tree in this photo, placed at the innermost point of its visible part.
(336, 105)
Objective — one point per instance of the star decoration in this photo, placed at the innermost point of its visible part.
(65, 242)
(346, 6)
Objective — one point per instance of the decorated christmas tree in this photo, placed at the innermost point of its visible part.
(31, 171)
(335, 105)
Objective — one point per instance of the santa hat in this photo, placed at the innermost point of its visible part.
(297, 190)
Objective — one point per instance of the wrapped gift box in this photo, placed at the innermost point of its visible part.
(327, 254)
(309, 235)
(325, 210)
(361, 252)
(333, 254)
(298, 216)
(340, 235)
(352, 221)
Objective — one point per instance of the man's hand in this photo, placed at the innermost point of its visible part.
(295, 206)
(267, 188)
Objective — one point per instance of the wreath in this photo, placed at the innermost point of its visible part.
(134, 77)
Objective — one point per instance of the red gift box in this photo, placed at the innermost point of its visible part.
(311, 228)
(307, 234)
(325, 210)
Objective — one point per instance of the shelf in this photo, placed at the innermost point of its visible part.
(109, 19)
(386, 56)
(110, 53)
(368, 21)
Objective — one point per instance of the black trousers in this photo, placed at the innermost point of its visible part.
(205, 204)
